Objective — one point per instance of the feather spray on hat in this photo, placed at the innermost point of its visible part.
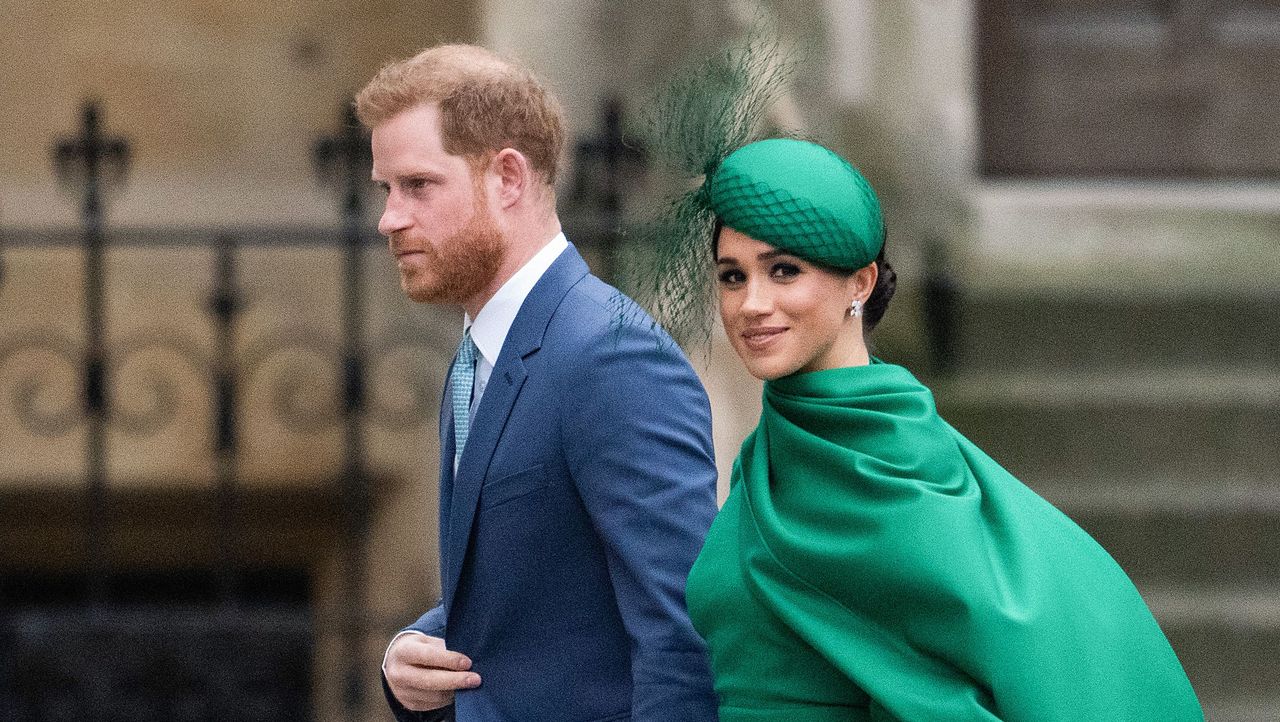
(697, 120)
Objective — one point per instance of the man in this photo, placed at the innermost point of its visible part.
(577, 478)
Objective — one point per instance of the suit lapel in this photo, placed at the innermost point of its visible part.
(508, 377)
(446, 466)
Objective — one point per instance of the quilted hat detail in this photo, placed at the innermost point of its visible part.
(802, 198)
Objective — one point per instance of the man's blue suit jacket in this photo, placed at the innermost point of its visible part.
(581, 499)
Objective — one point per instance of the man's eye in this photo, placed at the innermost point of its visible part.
(732, 276)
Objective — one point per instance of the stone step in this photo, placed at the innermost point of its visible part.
(1265, 708)
(1228, 639)
(1049, 329)
(1224, 534)
(1140, 426)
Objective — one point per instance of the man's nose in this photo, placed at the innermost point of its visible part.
(394, 218)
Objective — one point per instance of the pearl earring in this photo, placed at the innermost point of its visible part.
(855, 309)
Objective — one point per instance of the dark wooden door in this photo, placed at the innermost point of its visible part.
(160, 648)
(1130, 88)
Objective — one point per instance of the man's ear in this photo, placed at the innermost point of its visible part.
(514, 175)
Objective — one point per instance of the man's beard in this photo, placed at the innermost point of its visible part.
(462, 265)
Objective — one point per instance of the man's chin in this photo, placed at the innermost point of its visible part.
(427, 295)
(420, 292)
(434, 293)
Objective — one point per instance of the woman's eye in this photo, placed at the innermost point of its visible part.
(732, 276)
(785, 270)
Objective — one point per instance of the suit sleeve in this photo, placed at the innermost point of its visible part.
(637, 435)
(403, 714)
(431, 623)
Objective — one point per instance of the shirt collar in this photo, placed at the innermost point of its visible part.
(490, 326)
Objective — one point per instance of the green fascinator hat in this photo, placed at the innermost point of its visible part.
(705, 129)
(801, 198)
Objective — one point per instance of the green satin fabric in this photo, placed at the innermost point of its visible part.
(872, 563)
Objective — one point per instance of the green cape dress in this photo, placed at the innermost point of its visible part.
(871, 563)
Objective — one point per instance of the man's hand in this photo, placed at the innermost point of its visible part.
(422, 674)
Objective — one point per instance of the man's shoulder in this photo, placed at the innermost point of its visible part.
(595, 318)
(591, 293)
(590, 306)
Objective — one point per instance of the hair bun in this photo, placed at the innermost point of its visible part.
(878, 302)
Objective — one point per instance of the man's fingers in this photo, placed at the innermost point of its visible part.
(420, 688)
(430, 652)
(422, 679)
(438, 680)
(423, 674)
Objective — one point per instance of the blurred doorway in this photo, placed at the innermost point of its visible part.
(174, 633)
(161, 647)
(1130, 88)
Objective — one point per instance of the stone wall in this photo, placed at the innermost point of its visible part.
(221, 100)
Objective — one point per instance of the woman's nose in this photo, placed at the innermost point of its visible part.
(758, 299)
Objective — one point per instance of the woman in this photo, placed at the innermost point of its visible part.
(870, 563)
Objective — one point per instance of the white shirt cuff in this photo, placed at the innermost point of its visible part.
(393, 641)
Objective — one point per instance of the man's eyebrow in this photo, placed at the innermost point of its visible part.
(412, 175)
(424, 174)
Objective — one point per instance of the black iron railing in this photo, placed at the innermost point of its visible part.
(173, 641)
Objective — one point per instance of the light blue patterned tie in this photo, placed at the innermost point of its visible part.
(463, 378)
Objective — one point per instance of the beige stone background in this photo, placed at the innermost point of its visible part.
(222, 102)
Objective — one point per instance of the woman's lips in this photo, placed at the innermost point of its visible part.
(761, 338)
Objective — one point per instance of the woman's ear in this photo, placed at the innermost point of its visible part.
(863, 281)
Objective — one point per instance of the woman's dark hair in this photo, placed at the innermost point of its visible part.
(877, 303)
